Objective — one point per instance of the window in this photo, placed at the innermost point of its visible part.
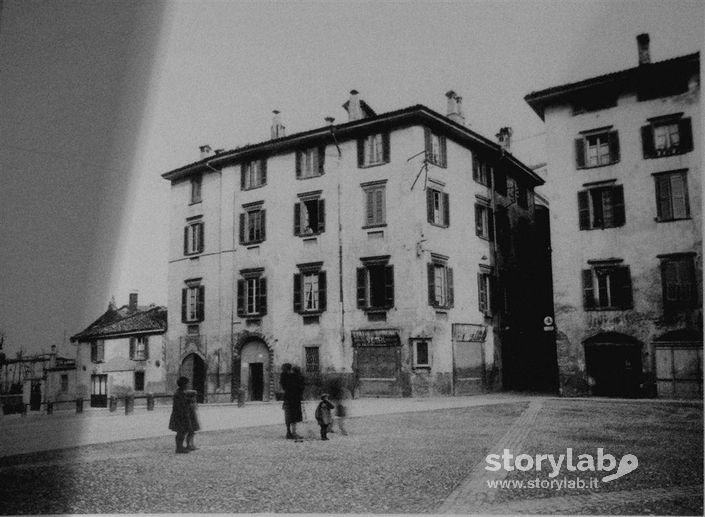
(665, 136)
(373, 150)
(437, 207)
(375, 211)
(597, 148)
(435, 148)
(253, 174)
(193, 237)
(607, 286)
(64, 382)
(672, 196)
(309, 214)
(440, 284)
(481, 171)
(192, 302)
(312, 360)
(139, 381)
(98, 351)
(375, 284)
(310, 289)
(678, 282)
(252, 293)
(139, 348)
(485, 291)
(420, 353)
(310, 162)
(484, 221)
(601, 207)
(252, 223)
(196, 189)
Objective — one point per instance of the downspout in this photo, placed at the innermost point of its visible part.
(220, 273)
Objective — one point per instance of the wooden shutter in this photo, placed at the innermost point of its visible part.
(361, 152)
(186, 250)
(389, 286)
(146, 348)
(679, 195)
(241, 297)
(442, 147)
(297, 292)
(297, 218)
(685, 132)
(429, 204)
(617, 199)
(431, 269)
(201, 237)
(663, 198)
(482, 293)
(613, 141)
(379, 205)
(262, 214)
(370, 209)
(101, 351)
(647, 141)
(262, 296)
(427, 142)
(588, 290)
(322, 291)
(446, 208)
(94, 352)
(132, 347)
(579, 153)
(184, 295)
(242, 228)
(201, 303)
(361, 288)
(321, 159)
(584, 209)
(479, 221)
(321, 215)
(264, 171)
(451, 290)
(298, 164)
(490, 224)
(622, 285)
(243, 174)
(385, 148)
(475, 167)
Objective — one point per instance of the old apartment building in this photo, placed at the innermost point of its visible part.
(625, 155)
(383, 251)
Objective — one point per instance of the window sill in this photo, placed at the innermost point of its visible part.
(600, 228)
(371, 165)
(665, 155)
(426, 368)
(253, 188)
(252, 243)
(308, 235)
(379, 225)
(608, 309)
(438, 225)
(672, 220)
(596, 166)
(309, 177)
(195, 202)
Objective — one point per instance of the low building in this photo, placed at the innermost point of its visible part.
(122, 353)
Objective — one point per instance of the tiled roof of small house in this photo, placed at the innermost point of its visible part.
(123, 322)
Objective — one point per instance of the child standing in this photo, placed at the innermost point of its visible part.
(323, 415)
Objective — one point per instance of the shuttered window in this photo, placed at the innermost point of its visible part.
(375, 287)
(253, 174)
(481, 170)
(373, 150)
(193, 238)
(139, 348)
(193, 304)
(375, 204)
(672, 196)
(196, 183)
(98, 351)
(309, 217)
(252, 225)
(601, 207)
(484, 222)
(252, 294)
(435, 146)
(607, 287)
(666, 137)
(679, 283)
(310, 292)
(597, 149)
(438, 207)
(440, 285)
(484, 292)
(310, 162)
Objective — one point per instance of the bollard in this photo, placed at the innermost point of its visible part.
(79, 405)
(129, 404)
(50, 408)
(240, 397)
(150, 401)
(113, 404)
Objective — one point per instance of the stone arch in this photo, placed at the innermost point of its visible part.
(241, 340)
(613, 363)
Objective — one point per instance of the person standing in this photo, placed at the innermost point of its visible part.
(323, 415)
(180, 420)
(191, 398)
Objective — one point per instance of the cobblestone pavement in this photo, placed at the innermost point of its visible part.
(423, 460)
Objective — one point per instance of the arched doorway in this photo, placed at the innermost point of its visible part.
(194, 368)
(614, 366)
(255, 369)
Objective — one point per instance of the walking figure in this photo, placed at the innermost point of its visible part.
(180, 420)
(292, 383)
(191, 398)
(323, 415)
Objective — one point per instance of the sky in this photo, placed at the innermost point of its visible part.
(101, 97)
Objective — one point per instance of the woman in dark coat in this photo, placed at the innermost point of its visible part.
(180, 420)
(292, 384)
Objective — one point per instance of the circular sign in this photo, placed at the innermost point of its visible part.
(548, 321)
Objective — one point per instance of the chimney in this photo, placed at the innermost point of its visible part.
(329, 121)
(455, 107)
(642, 41)
(133, 302)
(205, 150)
(504, 137)
(278, 129)
(112, 306)
(353, 106)
(52, 357)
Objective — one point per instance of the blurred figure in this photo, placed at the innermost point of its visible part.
(180, 420)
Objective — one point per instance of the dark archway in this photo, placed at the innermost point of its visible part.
(253, 367)
(194, 368)
(614, 365)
